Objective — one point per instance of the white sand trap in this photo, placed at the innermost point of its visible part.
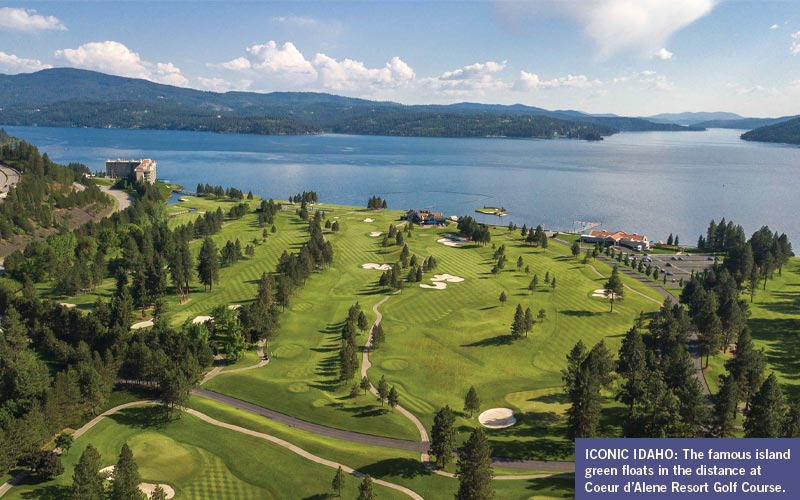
(377, 267)
(452, 241)
(436, 285)
(369, 220)
(497, 418)
(201, 319)
(142, 324)
(234, 307)
(375, 234)
(146, 488)
(447, 277)
(600, 292)
(68, 305)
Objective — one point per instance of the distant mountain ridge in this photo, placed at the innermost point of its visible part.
(67, 97)
(787, 132)
(693, 117)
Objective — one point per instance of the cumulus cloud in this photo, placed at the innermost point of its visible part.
(794, 49)
(476, 77)
(619, 25)
(348, 74)
(16, 19)
(117, 59)
(647, 79)
(663, 54)
(222, 85)
(14, 64)
(531, 81)
(285, 64)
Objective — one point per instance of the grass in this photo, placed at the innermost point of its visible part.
(199, 460)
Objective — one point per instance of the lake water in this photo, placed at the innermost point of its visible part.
(653, 183)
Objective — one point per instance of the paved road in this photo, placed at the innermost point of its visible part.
(124, 200)
(8, 178)
(355, 437)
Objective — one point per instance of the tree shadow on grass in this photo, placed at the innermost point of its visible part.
(580, 314)
(142, 417)
(48, 493)
(548, 483)
(492, 341)
(783, 344)
(364, 411)
(319, 496)
(397, 467)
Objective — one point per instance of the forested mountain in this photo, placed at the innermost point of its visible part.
(693, 117)
(744, 123)
(71, 97)
(787, 132)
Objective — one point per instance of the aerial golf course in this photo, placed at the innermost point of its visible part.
(443, 334)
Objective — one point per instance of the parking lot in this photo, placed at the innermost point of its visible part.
(679, 266)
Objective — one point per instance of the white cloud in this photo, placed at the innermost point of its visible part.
(774, 27)
(14, 64)
(348, 74)
(663, 54)
(16, 19)
(646, 79)
(476, 78)
(531, 81)
(298, 21)
(285, 64)
(117, 59)
(794, 49)
(618, 25)
(222, 85)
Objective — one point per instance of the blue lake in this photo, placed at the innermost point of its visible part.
(653, 183)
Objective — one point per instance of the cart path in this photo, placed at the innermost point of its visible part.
(220, 369)
(210, 420)
(366, 365)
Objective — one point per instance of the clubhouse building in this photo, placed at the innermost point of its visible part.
(633, 241)
(425, 217)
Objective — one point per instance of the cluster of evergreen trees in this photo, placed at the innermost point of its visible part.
(535, 237)
(44, 187)
(293, 269)
(376, 202)
(267, 211)
(304, 197)
(348, 352)
(221, 192)
(472, 229)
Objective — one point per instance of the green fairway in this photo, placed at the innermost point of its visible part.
(199, 460)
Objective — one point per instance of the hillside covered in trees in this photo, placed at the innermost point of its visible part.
(69, 97)
(45, 200)
(787, 132)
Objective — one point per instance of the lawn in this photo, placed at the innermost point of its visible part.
(199, 460)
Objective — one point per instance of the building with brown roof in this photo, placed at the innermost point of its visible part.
(142, 170)
(621, 238)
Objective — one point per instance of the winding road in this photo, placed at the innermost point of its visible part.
(123, 199)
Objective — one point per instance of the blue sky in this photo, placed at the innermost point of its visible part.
(632, 57)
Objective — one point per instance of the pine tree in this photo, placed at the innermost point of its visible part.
(443, 437)
(378, 336)
(632, 365)
(725, 407)
(518, 325)
(502, 298)
(613, 288)
(208, 263)
(475, 468)
(363, 324)
(365, 490)
(338, 482)
(364, 385)
(158, 493)
(86, 482)
(528, 320)
(767, 411)
(126, 477)
(383, 389)
(393, 398)
(472, 404)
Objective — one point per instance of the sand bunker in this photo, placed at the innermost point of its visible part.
(234, 307)
(452, 241)
(377, 267)
(439, 281)
(497, 418)
(201, 319)
(375, 234)
(142, 324)
(600, 292)
(369, 220)
(146, 488)
(68, 305)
